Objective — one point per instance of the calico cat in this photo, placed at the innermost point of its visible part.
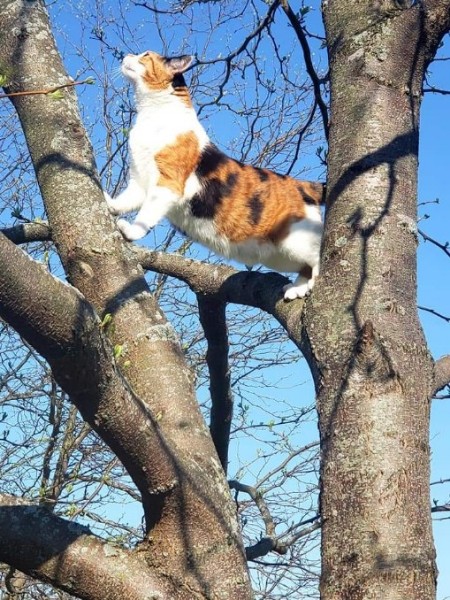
(242, 212)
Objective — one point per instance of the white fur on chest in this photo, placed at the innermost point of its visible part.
(156, 127)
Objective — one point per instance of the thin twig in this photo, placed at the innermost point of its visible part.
(434, 312)
(87, 81)
(441, 508)
(434, 90)
(445, 247)
(308, 63)
(440, 481)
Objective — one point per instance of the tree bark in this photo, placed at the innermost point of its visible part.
(67, 555)
(212, 313)
(372, 369)
(190, 518)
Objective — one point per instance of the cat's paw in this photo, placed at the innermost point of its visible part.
(292, 291)
(110, 203)
(131, 231)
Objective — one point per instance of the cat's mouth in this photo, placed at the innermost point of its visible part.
(127, 69)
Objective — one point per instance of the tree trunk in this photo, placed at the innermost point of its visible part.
(192, 535)
(372, 369)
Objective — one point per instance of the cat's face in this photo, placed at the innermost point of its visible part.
(153, 72)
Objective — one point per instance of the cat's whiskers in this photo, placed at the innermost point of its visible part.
(116, 73)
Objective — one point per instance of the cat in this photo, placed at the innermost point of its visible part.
(245, 213)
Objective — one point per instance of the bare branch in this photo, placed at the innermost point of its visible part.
(435, 313)
(28, 232)
(441, 373)
(445, 247)
(261, 290)
(441, 508)
(439, 481)
(308, 63)
(271, 542)
(213, 320)
(268, 543)
(66, 555)
(434, 90)
(228, 60)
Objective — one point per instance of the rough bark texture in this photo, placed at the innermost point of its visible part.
(372, 369)
(68, 555)
(189, 515)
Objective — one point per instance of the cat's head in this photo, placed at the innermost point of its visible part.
(152, 73)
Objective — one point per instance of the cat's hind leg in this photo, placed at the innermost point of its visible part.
(302, 246)
(302, 285)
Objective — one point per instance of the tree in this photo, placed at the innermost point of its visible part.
(379, 364)
(133, 386)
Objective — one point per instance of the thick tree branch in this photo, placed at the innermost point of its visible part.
(28, 232)
(441, 373)
(213, 320)
(261, 290)
(70, 557)
(437, 23)
(58, 322)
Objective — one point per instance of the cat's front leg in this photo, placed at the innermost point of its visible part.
(132, 198)
(156, 206)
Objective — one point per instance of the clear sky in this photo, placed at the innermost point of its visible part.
(434, 280)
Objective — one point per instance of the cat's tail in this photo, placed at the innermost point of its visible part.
(313, 192)
(323, 195)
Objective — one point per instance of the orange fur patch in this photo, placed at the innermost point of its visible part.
(177, 161)
(159, 77)
(261, 204)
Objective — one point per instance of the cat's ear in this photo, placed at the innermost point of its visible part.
(179, 64)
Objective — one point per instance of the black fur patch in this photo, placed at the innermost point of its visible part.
(179, 81)
(210, 159)
(204, 205)
(309, 199)
(262, 174)
(306, 197)
(256, 207)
